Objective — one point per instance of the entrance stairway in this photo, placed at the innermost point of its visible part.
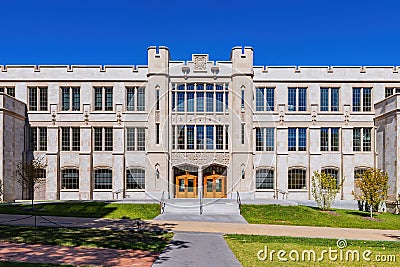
(211, 206)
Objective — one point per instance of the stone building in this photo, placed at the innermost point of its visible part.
(197, 128)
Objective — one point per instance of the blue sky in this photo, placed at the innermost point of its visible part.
(118, 32)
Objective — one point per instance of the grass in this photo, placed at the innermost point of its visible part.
(87, 209)
(302, 215)
(246, 248)
(154, 241)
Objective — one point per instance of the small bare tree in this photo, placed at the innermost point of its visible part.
(29, 175)
(324, 189)
(373, 185)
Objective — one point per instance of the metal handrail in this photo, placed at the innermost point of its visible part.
(201, 204)
(238, 200)
(162, 203)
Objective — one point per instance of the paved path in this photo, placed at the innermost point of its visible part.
(197, 249)
(20, 252)
(230, 218)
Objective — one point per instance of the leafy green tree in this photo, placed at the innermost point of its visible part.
(324, 189)
(373, 185)
(29, 175)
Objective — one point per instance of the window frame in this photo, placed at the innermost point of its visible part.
(136, 185)
(303, 185)
(72, 186)
(106, 186)
(103, 94)
(268, 171)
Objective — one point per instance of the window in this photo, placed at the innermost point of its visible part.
(157, 133)
(103, 139)
(38, 138)
(219, 137)
(8, 90)
(362, 139)
(135, 179)
(297, 99)
(242, 134)
(157, 99)
(265, 99)
(391, 91)
(103, 98)
(173, 137)
(265, 139)
(242, 100)
(219, 102)
(70, 99)
(70, 179)
(297, 139)
(333, 173)
(200, 137)
(329, 99)
(264, 179)
(70, 139)
(141, 139)
(297, 179)
(361, 99)
(200, 102)
(37, 98)
(329, 139)
(103, 179)
(190, 102)
(210, 137)
(210, 102)
(181, 137)
(190, 136)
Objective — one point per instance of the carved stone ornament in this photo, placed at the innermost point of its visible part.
(200, 62)
(200, 159)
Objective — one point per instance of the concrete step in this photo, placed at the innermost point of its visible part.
(210, 206)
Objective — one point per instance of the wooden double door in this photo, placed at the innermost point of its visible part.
(186, 186)
(214, 186)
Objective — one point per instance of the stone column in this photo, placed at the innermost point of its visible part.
(199, 182)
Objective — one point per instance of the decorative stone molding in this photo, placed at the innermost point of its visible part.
(200, 62)
(200, 159)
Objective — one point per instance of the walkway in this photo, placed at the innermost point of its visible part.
(20, 252)
(197, 249)
(212, 227)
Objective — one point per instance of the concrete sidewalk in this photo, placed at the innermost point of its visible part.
(208, 227)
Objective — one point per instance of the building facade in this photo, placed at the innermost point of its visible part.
(185, 129)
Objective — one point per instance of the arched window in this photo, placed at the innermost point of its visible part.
(70, 179)
(135, 179)
(264, 179)
(297, 178)
(332, 172)
(103, 179)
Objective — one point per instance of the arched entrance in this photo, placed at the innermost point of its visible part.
(214, 182)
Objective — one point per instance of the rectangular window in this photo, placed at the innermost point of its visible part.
(108, 92)
(70, 179)
(242, 101)
(219, 102)
(324, 139)
(297, 179)
(200, 137)
(98, 98)
(297, 99)
(130, 139)
(157, 133)
(329, 99)
(270, 99)
(130, 98)
(108, 139)
(264, 179)
(98, 139)
(361, 99)
(265, 99)
(200, 102)
(140, 99)
(181, 137)
(141, 139)
(135, 179)
(70, 99)
(190, 136)
(210, 102)
(103, 179)
(334, 139)
(357, 139)
(259, 99)
(297, 139)
(181, 101)
(324, 105)
(219, 132)
(157, 99)
(76, 139)
(38, 98)
(269, 139)
(334, 99)
(366, 139)
(329, 139)
(38, 138)
(242, 134)
(259, 139)
(210, 137)
(173, 136)
(65, 139)
(190, 102)
(226, 137)
(8, 90)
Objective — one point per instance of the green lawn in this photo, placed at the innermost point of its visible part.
(87, 209)
(247, 247)
(154, 241)
(302, 215)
